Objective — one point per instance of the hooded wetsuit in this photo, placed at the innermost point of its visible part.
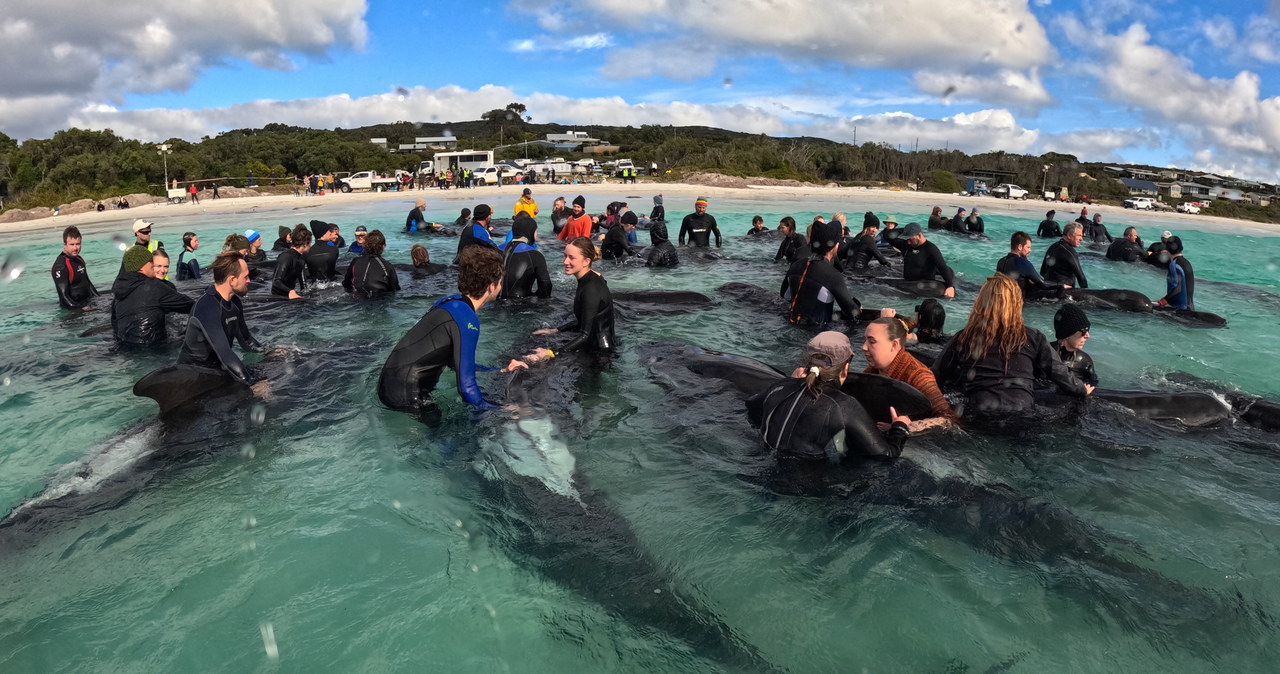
(1061, 265)
(1097, 232)
(371, 275)
(525, 266)
(661, 252)
(938, 222)
(923, 262)
(1049, 229)
(614, 246)
(699, 228)
(445, 337)
(592, 316)
(71, 280)
(813, 287)
(829, 425)
(188, 269)
(792, 248)
(140, 303)
(974, 224)
(994, 384)
(213, 324)
(475, 234)
(288, 275)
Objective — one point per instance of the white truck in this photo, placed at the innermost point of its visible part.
(369, 180)
(1009, 191)
(492, 175)
(1192, 207)
(1140, 203)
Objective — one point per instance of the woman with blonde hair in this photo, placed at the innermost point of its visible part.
(995, 359)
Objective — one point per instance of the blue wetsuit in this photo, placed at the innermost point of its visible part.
(446, 336)
(474, 234)
(1180, 281)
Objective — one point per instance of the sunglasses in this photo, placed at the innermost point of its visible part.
(144, 231)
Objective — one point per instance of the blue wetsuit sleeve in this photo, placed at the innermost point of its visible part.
(465, 340)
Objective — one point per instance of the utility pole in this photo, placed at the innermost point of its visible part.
(1044, 179)
(165, 150)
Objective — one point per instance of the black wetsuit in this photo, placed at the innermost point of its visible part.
(592, 316)
(1097, 232)
(213, 324)
(525, 266)
(428, 269)
(938, 222)
(699, 229)
(1061, 265)
(415, 221)
(812, 288)
(994, 384)
(138, 308)
(322, 262)
(615, 246)
(1157, 255)
(956, 224)
(862, 250)
(1049, 229)
(923, 262)
(559, 216)
(289, 273)
(188, 269)
(260, 256)
(445, 337)
(1124, 250)
(758, 232)
(830, 425)
(792, 248)
(659, 213)
(71, 280)
(974, 224)
(371, 275)
(1021, 270)
(281, 244)
(661, 252)
(1078, 363)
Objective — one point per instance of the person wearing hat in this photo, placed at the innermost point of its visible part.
(369, 275)
(526, 204)
(357, 246)
(810, 418)
(463, 219)
(957, 221)
(255, 252)
(524, 263)
(416, 219)
(478, 232)
(579, 223)
(1049, 228)
(661, 251)
(1061, 264)
(974, 224)
(1016, 266)
(921, 259)
(1127, 248)
(813, 286)
(142, 238)
(140, 301)
(615, 245)
(1158, 251)
(699, 225)
(936, 219)
(71, 274)
(862, 248)
(659, 212)
(322, 258)
(995, 359)
(1180, 281)
(218, 317)
(282, 243)
(888, 233)
(1096, 232)
(289, 277)
(1071, 329)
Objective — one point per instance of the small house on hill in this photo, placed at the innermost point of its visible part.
(1137, 187)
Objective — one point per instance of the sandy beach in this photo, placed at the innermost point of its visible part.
(679, 196)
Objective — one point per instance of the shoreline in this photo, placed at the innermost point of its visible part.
(547, 193)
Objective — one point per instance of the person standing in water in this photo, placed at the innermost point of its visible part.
(921, 259)
(1071, 328)
(71, 274)
(1049, 228)
(1016, 266)
(189, 268)
(217, 318)
(1061, 264)
(699, 226)
(593, 319)
(1180, 281)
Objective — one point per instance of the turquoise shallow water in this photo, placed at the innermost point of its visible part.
(324, 533)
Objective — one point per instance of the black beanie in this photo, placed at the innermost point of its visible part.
(1049, 215)
(1069, 320)
(824, 236)
(524, 226)
(580, 201)
(870, 220)
(482, 212)
(1173, 245)
(629, 218)
(284, 231)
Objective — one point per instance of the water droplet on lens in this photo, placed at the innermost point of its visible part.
(395, 504)
(121, 243)
(269, 641)
(249, 521)
(258, 414)
(657, 591)
(475, 569)
(248, 451)
(26, 339)
(457, 523)
(11, 269)
(7, 381)
(447, 132)
(493, 613)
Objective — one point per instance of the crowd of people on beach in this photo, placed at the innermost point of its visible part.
(994, 363)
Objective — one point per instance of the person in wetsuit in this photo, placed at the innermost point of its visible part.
(1061, 265)
(416, 220)
(217, 318)
(813, 286)
(888, 234)
(463, 219)
(1096, 232)
(884, 346)
(1071, 329)
(560, 213)
(322, 258)
(699, 226)
(1083, 220)
(1158, 251)
(995, 359)
(863, 249)
(793, 245)
(369, 275)
(593, 318)
(422, 264)
(140, 301)
(255, 252)
(659, 212)
(1016, 266)
(289, 277)
(71, 274)
(921, 259)
(142, 239)
(936, 219)
(1127, 248)
(661, 252)
(357, 246)
(447, 336)
(615, 245)
(1180, 280)
(523, 263)
(757, 226)
(189, 268)
(974, 224)
(1049, 228)
(477, 233)
(282, 244)
(957, 223)
(811, 419)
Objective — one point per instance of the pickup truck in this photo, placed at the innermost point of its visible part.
(1189, 207)
(493, 175)
(1140, 203)
(1009, 191)
(368, 180)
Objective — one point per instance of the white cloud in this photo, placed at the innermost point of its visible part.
(671, 60)
(1220, 31)
(523, 46)
(593, 41)
(1098, 144)
(1016, 89)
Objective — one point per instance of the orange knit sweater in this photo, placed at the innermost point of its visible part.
(906, 368)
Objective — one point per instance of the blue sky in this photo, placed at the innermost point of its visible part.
(1156, 81)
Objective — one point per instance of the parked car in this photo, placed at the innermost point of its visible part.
(1189, 207)
(1009, 191)
(493, 175)
(1140, 203)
